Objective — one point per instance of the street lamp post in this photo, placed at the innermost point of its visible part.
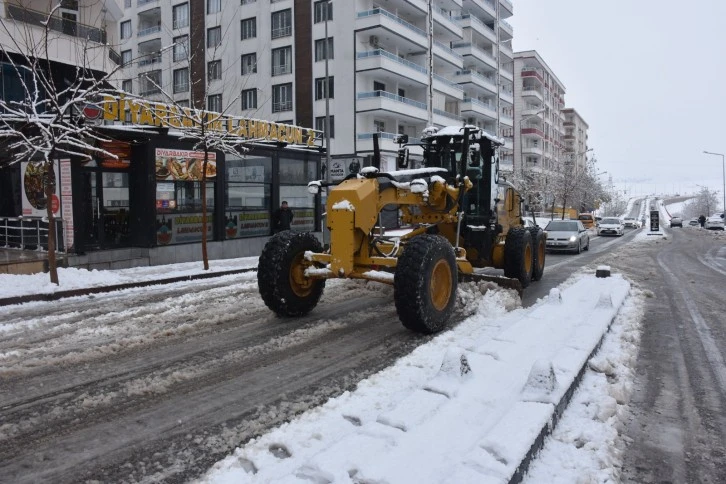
(328, 5)
(723, 165)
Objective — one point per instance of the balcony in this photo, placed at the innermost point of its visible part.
(479, 107)
(469, 21)
(532, 93)
(382, 59)
(149, 31)
(507, 97)
(533, 132)
(507, 8)
(508, 75)
(505, 50)
(467, 48)
(532, 150)
(449, 23)
(386, 101)
(378, 17)
(150, 60)
(447, 54)
(56, 24)
(281, 32)
(506, 120)
(529, 72)
(486, 8)
(446, 118)
(469, 76)
(448, 87)
(506, 30)
(386, 141)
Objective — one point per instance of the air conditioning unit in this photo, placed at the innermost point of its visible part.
(373, 40)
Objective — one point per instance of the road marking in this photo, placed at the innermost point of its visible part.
(713, 354)
(711, 262)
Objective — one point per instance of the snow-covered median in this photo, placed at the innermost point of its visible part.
(465, 407)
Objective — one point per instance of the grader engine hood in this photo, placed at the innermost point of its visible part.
(352, 213)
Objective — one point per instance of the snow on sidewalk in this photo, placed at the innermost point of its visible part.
(12, 285)
(465, 407)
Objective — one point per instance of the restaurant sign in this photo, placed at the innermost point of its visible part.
(164, 115)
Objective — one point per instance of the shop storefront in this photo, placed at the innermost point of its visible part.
(149, 196)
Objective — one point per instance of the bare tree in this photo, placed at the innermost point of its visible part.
(46, 123)
(702, 204)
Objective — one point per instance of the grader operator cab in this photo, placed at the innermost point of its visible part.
(462, 218)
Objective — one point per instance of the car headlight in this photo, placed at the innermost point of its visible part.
(573, 238)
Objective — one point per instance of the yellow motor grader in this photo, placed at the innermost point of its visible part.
(462, 217)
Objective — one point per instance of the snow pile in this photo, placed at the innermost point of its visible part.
(465, 407)
(72, 278)
(343, 205)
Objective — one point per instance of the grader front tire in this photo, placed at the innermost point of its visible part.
(519, 255)
(424, 286)
(281, 274)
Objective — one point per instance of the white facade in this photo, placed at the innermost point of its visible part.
(379, 64)
(539, 97)
(81, 32)
(575, 137)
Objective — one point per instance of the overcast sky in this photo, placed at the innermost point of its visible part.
(648, 76)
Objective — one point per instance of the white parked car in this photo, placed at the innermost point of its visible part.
(715, 222)
(610, 226)
(631, 222)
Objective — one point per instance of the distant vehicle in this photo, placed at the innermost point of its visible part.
(631, 222)
(587, 219)
(676, 222)
(693, 223)
(611, 226)
(715, 222)
(569, 235)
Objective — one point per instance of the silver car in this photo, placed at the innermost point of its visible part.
(569, 235)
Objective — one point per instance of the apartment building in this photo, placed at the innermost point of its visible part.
(539, 97)
(268, 59)
(81, 33)
(575, 137)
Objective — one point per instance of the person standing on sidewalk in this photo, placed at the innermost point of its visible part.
(702, 220)
(282, 218)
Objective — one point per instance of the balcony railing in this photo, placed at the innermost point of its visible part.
(394, 97)
(152, 59)
(477, 102)
(475, 74)
(57, 24)
(393, 57)
(448, 82)
(148, 90)
(509, 4)
(448, 49)
(149, 30)
(395, 18)
(281, 106)
(384, 135)
(281, 32)
(474, 46)
(245, 2)
(140, 3)
(282, 69)
(447, 114)
(476, 21)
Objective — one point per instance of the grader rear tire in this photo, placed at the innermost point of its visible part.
(539, 242)
(424, 286)
(519, 255)
(280, 274)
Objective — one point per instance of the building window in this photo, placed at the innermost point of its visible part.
(214, 37)
(184, 103)
(127, 86)
(378, 86)
(181, 48)
(320, 125)
(324, 49)
(323, 11)
(125, 58)
(214, 6)
(282, 61)
(249, 99)
(320, 88)
(149, 82)
(180, 15)
(214, 70)
(379, 126)
(126, 30)
(214, 103)
(249, 64)
(282, 97)
(249, 28)
(248, 195)
(281, 24)
(181, 80)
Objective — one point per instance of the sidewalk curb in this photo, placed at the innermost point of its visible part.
(559, 409)
(54, 296)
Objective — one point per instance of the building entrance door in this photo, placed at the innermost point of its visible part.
(106, 198)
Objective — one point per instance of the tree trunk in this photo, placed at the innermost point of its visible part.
(564, 202)
(205, 257)
(49, 187)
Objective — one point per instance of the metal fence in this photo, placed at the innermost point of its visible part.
(29, 233)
